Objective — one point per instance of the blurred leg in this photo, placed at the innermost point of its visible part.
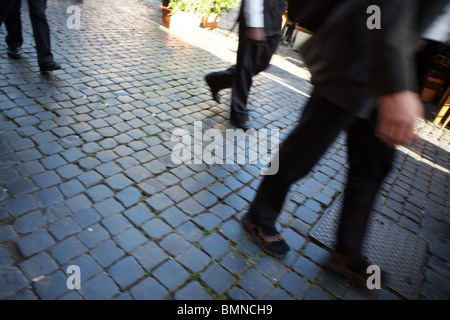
(5, 6)
(13, 26)
(320, 124)
(369, 160)
(41, 30)
(242, 77)
(221, 79)
(251, 60)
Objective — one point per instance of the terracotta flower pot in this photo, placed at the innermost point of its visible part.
(165, 16)
(211, 21)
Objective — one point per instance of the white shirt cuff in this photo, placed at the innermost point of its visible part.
(254, 13)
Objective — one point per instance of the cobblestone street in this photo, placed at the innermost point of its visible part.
(86, 176)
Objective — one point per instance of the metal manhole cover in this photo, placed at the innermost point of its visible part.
(396, 250)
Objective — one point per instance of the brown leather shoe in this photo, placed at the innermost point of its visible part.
(273, 245)
(350, 266)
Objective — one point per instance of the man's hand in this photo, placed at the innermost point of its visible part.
(258, 35)
(397, 114)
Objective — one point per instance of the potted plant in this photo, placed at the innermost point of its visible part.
(207, 11)
(180, 14)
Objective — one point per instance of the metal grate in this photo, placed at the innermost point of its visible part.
(396, 250)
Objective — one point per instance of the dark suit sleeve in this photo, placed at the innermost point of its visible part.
(391, 46)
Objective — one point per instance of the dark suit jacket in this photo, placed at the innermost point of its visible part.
(352, 65)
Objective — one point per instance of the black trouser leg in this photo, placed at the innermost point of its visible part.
(369, 160)
(222, 79)
(320, 124)
(41, 30)
(13, 24)
(5, 6)
(251, 60)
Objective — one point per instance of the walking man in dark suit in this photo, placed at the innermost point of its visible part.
(259, 37)
(41, 32)
(364, 83)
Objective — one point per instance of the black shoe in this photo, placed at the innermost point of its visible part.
(273, 245)
(214, 91)
(244, 125)
(49, 66)
(14, 53)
